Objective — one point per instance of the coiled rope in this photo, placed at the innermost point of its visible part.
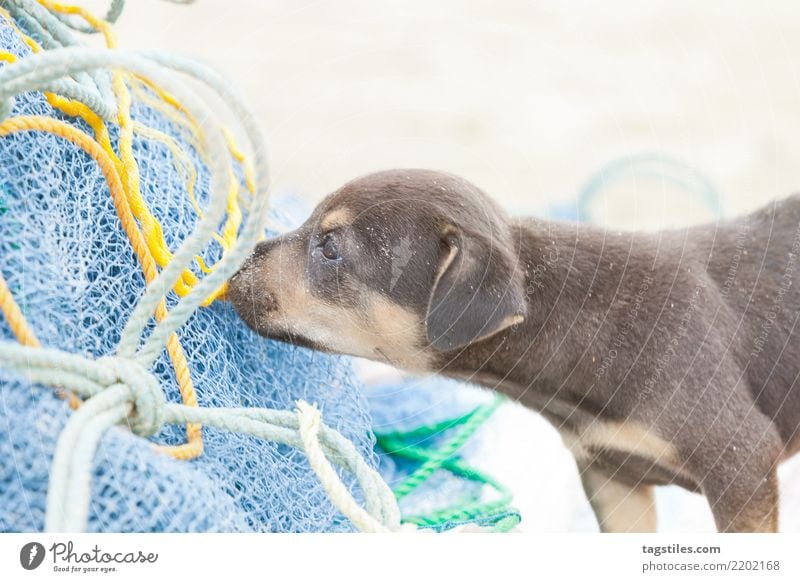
(120, 388)
(94, 85)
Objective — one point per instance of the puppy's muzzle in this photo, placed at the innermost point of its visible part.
(248, 293)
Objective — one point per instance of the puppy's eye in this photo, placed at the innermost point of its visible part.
(329, 249)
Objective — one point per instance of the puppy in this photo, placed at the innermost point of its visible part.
(661, 358)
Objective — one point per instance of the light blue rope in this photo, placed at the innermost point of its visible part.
(59, 34)
(655, 166)
(57, 28)
(67, 60)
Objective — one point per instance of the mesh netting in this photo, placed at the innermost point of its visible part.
(71, 268)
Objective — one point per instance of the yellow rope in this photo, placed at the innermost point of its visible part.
(121, 172)
(16, 320)
(180, 159)
(129, 170)
(13, 314)
(32, 44)
(159, 100)
(122, 175)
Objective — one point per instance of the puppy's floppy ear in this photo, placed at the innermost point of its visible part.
(476, 291)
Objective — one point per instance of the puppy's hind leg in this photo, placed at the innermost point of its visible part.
(619, 507)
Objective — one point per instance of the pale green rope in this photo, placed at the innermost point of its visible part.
(112, 14)
(120, 388)
(31, 72)
(252, 229)
(92, 88)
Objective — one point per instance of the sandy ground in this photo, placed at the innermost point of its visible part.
(524, 98)
(527, 99)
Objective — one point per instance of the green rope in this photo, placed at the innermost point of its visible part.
(475, 419)
(427, 430)
(469, 511)
(507, 523)
(398, 443)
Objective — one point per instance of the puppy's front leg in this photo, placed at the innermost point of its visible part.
(619, 507)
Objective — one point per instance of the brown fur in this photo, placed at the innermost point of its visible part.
(662, 358)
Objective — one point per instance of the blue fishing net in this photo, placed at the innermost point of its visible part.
(71, 269)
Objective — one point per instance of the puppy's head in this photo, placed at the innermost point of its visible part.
(396, 266)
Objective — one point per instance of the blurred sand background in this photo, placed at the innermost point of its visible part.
(526, 99)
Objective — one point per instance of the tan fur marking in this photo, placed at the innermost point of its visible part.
(399, 333)
(511, 320)
(335, 218)
(628, 436)
(286, 280)
(451, 255)
(380, 330)
(384, 331)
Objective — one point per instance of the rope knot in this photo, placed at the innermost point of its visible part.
(148, 414)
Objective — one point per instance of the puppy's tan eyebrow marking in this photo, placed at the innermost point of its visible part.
(336, 218)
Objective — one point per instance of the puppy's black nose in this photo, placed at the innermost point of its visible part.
(248, 290)
(260, 251)
(263, 248)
